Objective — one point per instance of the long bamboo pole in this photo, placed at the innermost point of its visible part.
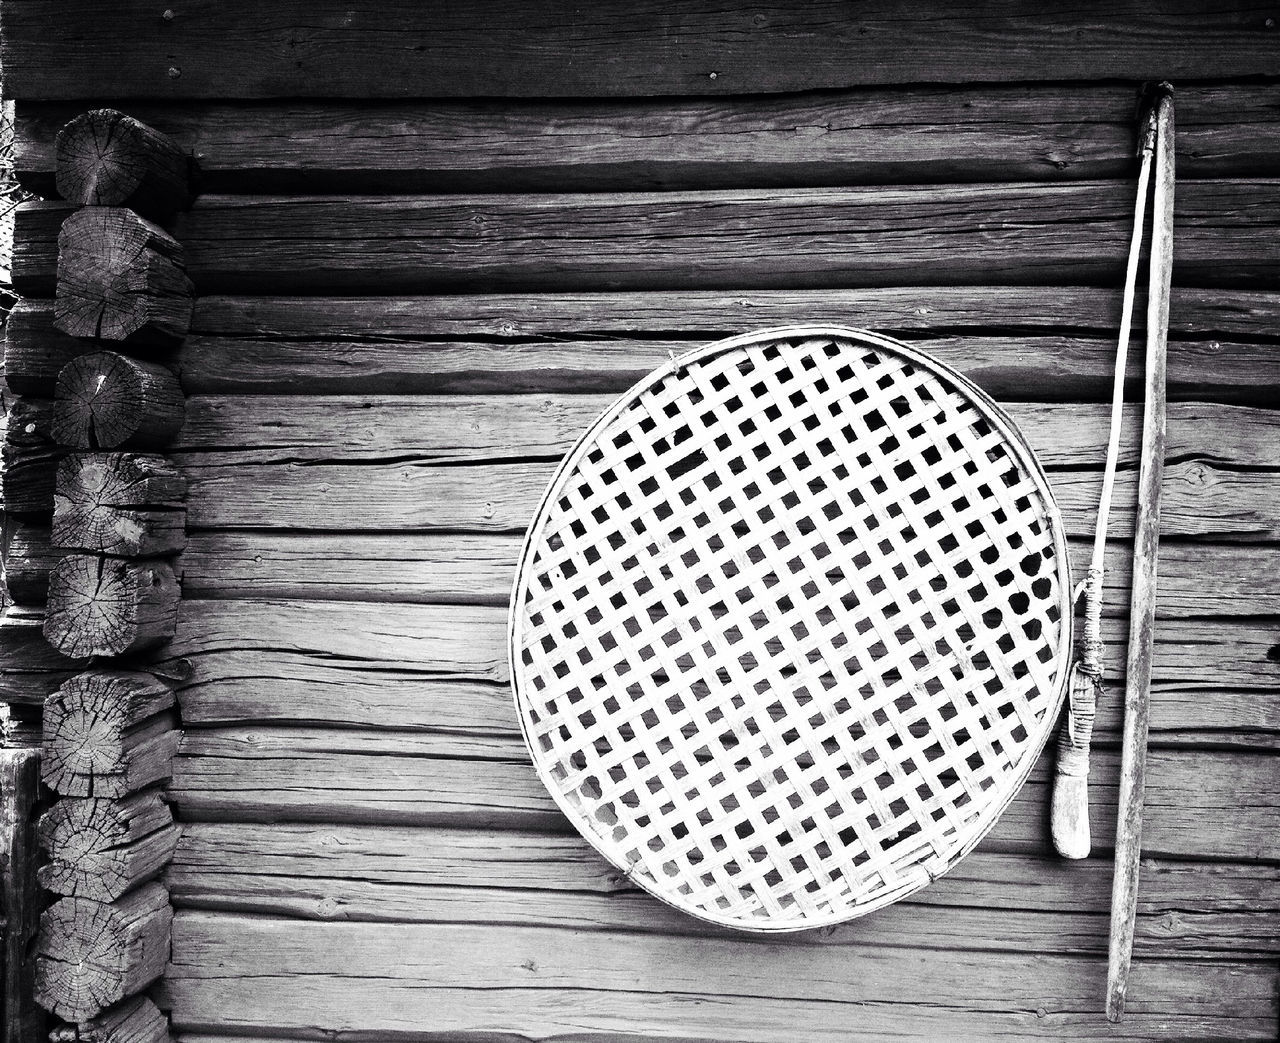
(1142, 602)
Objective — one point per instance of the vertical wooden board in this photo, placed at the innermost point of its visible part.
(21, 1021)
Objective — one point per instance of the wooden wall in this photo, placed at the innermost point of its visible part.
(432, 244)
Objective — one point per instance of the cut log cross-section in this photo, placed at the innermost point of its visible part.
(120, 277)
(108, 606)
(119, 503)
(134, 1021)
(93, 954)
(102, 849)
(107, 734)
(105, 158)
(109, 401)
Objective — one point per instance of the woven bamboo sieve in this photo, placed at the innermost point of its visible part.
(791, 626)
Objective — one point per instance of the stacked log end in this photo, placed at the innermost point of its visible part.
(95, 517)
(105, 158)
(106, 400)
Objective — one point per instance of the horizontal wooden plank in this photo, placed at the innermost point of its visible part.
(1008, 339)
(460, 569)
(992, 901)
(1020, 233)
(445, 666)
(30, 669)
(482, 463)
(234, 972)
(448, 568)
(913, 135)
(259, 429)
(685, 312)
(1201, 499)
(614, 48)
(1199, 804)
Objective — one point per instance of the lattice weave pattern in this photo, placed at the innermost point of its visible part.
(791, 626)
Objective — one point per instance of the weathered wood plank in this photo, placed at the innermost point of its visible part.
(804, 238)
(92, 954)
(483, 428)
(30, 670)
(234, 971)
(424, 874)
(445, 666)
(1008, 339)
(547, 48)
(463, 569)
(1201, 499)
(713, 313)
(108, 733)
(20, 895)
(1036, 132)
(1200, 804)
(447, 568)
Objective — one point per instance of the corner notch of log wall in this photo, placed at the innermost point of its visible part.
(109, 735)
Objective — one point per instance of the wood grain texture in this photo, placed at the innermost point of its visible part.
(434, 666)
(549, 48)
(29, 456)
(989, 901)
(1202, 499)
(101, 606)
(236, 972)
(101, 848)
(137, 1020)
(805, 238)
(30, 670)
(20, 896)
(107, 400)
(1008, 339)
(1201, 804)
(108, 733)
(27, 556)
(477, 569)
(448, 568)
(129, 504)
(905, 135)
(105, 158)
(91, 954)
(120, 277)
(486, 428)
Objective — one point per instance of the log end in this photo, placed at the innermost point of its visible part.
(105, 158)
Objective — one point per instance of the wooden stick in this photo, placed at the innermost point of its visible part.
(1124, 893)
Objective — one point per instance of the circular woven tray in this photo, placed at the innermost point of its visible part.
(791, 626)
